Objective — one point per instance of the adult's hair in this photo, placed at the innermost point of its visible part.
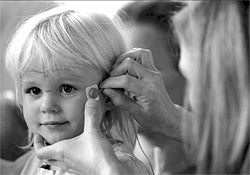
(158, 14)
(220, 32)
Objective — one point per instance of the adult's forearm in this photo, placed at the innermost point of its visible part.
(110, 165)
(181, 115)
(171, 123)
(113, 168)
(171, 126)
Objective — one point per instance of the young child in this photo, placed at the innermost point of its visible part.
(52, 58)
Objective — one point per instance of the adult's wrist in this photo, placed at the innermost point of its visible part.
(110, 166)
(113, 168)
(171, 127)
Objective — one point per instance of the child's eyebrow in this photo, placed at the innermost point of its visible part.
(45, 73)
(27, 83)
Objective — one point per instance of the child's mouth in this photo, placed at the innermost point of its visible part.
(54, 124)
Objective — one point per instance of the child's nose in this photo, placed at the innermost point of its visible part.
(49, 104)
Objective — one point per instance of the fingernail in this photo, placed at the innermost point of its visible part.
(92, 92)
(105, 91)
(108, 92)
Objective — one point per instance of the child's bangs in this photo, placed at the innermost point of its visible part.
(36, 56)
(49, 54)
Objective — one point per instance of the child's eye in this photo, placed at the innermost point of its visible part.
(67, 89)
(33, 91)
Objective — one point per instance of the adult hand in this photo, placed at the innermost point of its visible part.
(89, 153)
(134, 71)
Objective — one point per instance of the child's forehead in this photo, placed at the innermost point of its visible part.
(53, 78)
(70, 72)
(60, 66)
(87, 72)
(51, 65)
(58, 74)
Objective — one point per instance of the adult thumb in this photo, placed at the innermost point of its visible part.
(92, 112)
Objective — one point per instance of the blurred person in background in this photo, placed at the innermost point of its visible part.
(214, 40)
(149, 25)
(214, 37)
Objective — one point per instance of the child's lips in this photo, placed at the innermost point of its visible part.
(54, 124)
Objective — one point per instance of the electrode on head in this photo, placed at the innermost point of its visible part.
(92, 92)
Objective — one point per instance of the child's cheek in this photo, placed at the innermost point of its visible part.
(31, 119)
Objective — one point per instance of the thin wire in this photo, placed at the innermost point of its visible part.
(151, 167)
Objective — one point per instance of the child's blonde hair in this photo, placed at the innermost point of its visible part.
(220, 132)
(66, 38)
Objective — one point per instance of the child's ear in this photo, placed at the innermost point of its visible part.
(108, 103)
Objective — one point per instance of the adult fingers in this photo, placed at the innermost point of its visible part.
(92, 112)
(119, 99)
(38, 141)
(142, 56)
(127, 82)
(46, 152)
(131, 67)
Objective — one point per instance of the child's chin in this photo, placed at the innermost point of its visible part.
(52, 140)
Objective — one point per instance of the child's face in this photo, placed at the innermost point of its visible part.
(53, 105)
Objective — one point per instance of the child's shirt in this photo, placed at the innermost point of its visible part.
(33, 164)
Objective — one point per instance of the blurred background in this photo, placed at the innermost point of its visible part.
(11, 14)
